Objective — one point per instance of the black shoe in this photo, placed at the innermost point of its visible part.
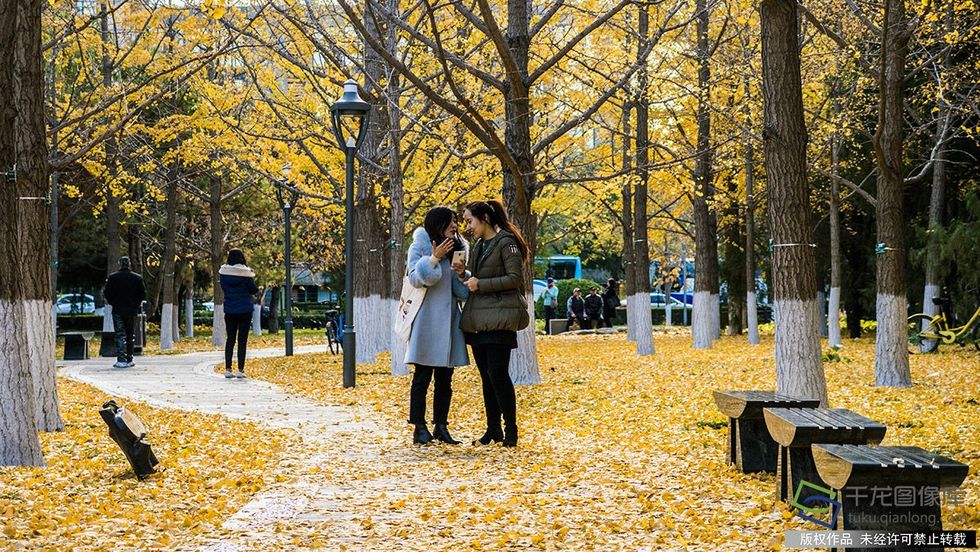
(510, 436)
(441, 433)
(422, 435)
(491, 436)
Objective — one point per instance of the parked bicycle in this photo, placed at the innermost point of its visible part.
(926, 331)
(334, 331)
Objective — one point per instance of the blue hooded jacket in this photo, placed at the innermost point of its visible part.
(238, 283)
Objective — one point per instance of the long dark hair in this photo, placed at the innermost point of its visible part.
(436, 221)
(235, 256)
(493, 212)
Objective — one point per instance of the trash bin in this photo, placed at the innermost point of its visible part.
(128, 431)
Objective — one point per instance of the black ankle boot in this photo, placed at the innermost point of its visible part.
(491, 436)
(510, 436)
(422, 435)
(441, 433)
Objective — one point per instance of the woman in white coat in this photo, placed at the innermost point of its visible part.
(436, 344)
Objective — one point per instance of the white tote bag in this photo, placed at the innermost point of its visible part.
(408, 307)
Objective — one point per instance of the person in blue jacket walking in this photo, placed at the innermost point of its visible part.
(238, 284)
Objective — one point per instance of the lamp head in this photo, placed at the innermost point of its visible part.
(349, 115)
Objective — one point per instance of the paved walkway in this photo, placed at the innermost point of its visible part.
(188, 382)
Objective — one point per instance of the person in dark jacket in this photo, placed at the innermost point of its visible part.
(575, 309)
(610, 300)
(238, 285)
(593, 309)
(124, 291)
(496, 308)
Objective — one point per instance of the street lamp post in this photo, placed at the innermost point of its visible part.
(287, 200)
(349, 115)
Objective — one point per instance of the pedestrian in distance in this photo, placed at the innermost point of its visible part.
(575, 309)
(436, 345)
(495, 310)
(593, 309)
(238, 285)
(610, 301)
(124, 291)
(549, 299)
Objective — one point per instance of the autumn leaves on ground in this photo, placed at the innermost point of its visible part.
(616, 452)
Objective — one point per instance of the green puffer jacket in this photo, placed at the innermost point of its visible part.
(499, 303)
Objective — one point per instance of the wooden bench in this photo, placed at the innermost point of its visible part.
(893, 489)
(76, 344)
(795, 429)
(750, 448)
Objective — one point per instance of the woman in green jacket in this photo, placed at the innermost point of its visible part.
(495, 310)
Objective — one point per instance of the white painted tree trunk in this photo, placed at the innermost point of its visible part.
(177, 321)
(668, 319)
(643, 325)
(167, 327)
(891, 342)
(372, 324)
(702, 321)
(821, 301)
(19, 443)
(631, 315)
(752, 315)
(107, 319)
(524, 359)
(833, 319)
(218, 326)
(715, 306)
(189, 314)
(931, 290)
(44, 374)
(256, 319)
(799, 368)
(398, 347)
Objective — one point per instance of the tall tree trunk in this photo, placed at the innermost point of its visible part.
(396, 192)
(734, 267)
(629, 246)
(799, 370)
(891, 352)
(706, 324)
(19, 443)
(168, 328)
(217, 252)
(112, 200)
(372, 314)
(937, 199)
(34, 224)
(642, 322)
(833, 308)
(519, 189)
(750, 298)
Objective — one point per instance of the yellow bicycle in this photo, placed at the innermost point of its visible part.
(926, 331)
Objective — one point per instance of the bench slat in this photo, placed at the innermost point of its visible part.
(839, 465)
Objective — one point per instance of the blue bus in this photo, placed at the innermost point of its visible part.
(559, 267)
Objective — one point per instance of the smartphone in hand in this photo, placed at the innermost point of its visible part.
(459, 257)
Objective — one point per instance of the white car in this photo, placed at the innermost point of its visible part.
(75, 303)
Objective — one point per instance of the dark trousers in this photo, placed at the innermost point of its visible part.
(236, 327)
(549, 313)
(125, 327)
(499, 398)
(442, 394)
(607, 317)
(593, 321)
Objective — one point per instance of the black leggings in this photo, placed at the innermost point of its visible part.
(499, 398)
(442, 395)
(237, 325)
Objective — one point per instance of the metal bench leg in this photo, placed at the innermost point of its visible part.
(756, 451)
(860, 511)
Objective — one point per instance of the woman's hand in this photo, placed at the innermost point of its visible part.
(459, 268)
(443, 249)
(473, 284)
